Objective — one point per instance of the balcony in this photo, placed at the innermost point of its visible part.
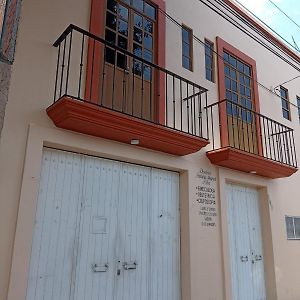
(245, 140)
(105, 91)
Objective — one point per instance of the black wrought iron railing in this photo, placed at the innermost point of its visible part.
(91, 69)
(239, 127)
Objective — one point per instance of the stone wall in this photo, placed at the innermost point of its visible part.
(5, 73)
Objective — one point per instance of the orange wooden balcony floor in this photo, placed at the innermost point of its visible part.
(83, 117)
(236, 159)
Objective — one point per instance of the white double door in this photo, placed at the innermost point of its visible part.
(245, 240)
(104, 230)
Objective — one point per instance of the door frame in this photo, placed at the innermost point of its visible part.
(97, 27)
(246, 180)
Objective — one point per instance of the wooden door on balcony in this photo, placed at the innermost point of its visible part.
(241, 121)
(127, 83)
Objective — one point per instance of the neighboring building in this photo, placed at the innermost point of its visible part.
(150, 153)
(9, 20)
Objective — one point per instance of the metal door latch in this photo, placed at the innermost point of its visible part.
(100, 268)
(244, 258)
(258, 257)
(130, 266)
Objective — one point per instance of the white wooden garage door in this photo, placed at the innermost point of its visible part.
(104, 230)
(245, 240)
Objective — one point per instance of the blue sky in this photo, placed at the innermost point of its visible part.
(266, 11)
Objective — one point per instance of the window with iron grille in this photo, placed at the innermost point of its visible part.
(298, 104)
(209, 61)
(292, 227)
(285, 103)
(187, 48)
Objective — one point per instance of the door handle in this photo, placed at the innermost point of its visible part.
(129, 266)
(244, 258)
(258, 257)
(100, 268)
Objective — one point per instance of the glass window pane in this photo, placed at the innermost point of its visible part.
(110, 55)
(243, 114)
(249, 116)
(121, 60)
(186, 49)
(297, 227)
(138, 4)
(138, 35)
(208, 74)
(229, 108)
(242, 90)
(111, 21)
(123, 27)
(208, 49)
(233, 73)
(147, 73)
(112, 5)
(123, 12)
(249, 104)
(148, 41)
(138, 21)
(248, 92)
(246, 69)
(137, 68)
(110, 36)
(234, 97)
(150, 10)
(226, 70)
(137, 50)
(232, 61)
(289, 227)
(148, 26)
(235, 110)
(242, 79)
(208, 61)
(283, 93)
(243, 102)
(226, 56)
(185, 35)
(228, 95)
(122, 42)
(240, 66)
(286, 114)
(227, 83)
(186, 62)
(234, 86)
(247, 81)
(284, 104)
(148, 55)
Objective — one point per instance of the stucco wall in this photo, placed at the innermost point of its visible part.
(27, 128)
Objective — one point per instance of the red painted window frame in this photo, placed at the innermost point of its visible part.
(97, 27)
(221, 47)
